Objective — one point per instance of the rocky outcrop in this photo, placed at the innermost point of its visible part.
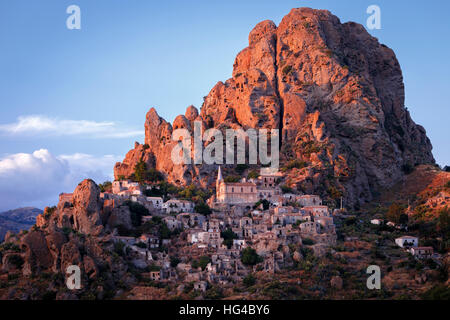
(335, 93)
(140, 152)
(86, 208)
(37, 254)
(72, 233)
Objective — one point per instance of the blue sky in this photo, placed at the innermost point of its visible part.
(135, 54)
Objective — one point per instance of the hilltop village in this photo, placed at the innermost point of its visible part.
(358, 186)
(252, 238)
(251, 227)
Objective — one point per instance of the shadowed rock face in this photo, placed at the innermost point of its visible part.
(333, 90)
(71, 234)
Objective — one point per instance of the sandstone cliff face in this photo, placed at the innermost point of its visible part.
(334, 91)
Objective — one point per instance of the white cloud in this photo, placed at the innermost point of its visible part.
(37, 179)
(43, 125)
(84, 165)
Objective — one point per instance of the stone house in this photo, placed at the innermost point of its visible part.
(239, 244)
(272, 195)
(260, 228)
(151, 241)
(268, 178)
(317, 211)
(155, 275)
(193, 235)
(279, 231)
(201, 286)
(212, 225)
(310, 227)
(126, 194)
(238, 231)
(245, 222)
(248, 232)
(291, 218)
(308, 200)
(283, 209)
(156, 202)
(422, 252)
(172, 223)
(213, 239)
(407, 241)
(327, 224)
(191, 219)
(376, 221)
(177, 206)
(124, 185)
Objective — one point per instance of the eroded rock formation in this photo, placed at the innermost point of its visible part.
(333, 90)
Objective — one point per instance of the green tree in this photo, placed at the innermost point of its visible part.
(249, 257)
(232, 178)
(298, 164)
(214, 293)
(253, 174)
(174, 261)
(164, 231)
(439, 292)
(228, 236)
(403, 219)
(203, 209)
(140, 172)
(194, 193)
(394, 212)
(240, 168)
(154, 175)
(286, 189)
(264, 202)
(308, 241)
(249, 280)
(137, 211)
(143, 174)
(105, 186)
(203, 262)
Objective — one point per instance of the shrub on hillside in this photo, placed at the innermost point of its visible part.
(249, 257)
(253, 174)
(232, 178)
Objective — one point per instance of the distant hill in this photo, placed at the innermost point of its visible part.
(17, 219)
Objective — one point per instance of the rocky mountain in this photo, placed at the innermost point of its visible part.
(17, 220)
(336, 95)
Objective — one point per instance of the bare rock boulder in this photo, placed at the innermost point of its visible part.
(87, 207)
(37, 254)
(70, 255)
